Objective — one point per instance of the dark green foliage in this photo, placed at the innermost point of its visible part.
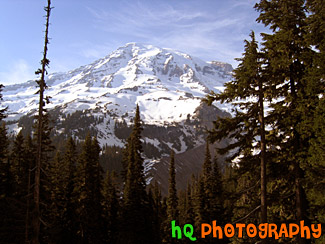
(88, 193)
(122, 130)
(172, 200)
(110, 208)
(62, 205)
(247, 93)
(208, 198)
(136, 219)
(288, 73)
(297, 82)
(20, 169)
(6, 190)
(111, 158)
(158, 213)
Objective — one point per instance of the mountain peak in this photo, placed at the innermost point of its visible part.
(167, 84)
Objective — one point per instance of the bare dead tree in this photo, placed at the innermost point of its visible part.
(36, 220)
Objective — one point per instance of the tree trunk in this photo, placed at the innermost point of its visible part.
(262, 158)
(36, 222)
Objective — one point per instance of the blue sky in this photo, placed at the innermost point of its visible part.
(82, 31)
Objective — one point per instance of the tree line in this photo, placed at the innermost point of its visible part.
(79, 203)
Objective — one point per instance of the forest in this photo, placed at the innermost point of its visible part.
(274, 171)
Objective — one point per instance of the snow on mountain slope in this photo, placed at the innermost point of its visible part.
(100, 99)
(168, 85)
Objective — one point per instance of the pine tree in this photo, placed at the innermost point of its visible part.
(207, 173)
(30, 158)
(159, 212)
(6, 181)
(288, 56)
(6, 189)
(135, 214)
(111, 207)
(69, 160)
(19, 168)
(172, 199)
(199, 206)
(190, 214)
(314, 114)
(247, 93)
(62, 206)
(87, 193)
(57, 200)
(17, 157)
(155, 215)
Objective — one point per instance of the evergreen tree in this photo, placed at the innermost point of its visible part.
(190, 214)
(57, 200)
(207, 173)
(172, 199)
(158, 213)
(199, 206)
(87, 193)
(289, 56)
(19, 168)
(209, 198)
(314, 114)
(136, 210)
(45, 184)
(6, 182)
(69, 160)
(247, 93)
(62, 206)
(6, 190)
(110, 207)
(30, 159)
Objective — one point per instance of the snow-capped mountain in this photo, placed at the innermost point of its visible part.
(168, 86)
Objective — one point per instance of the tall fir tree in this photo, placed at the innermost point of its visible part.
(136, 209)
(247, 93)
(288, 56)
(20, 168)
(88, 194)
(30, 158)
(6, 182)
(69, 217)
(314, 113)
(158, 213)
(62, 206)
(172, 199)
(111, 207)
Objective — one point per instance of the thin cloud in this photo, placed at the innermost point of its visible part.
(210, 35)
(18, 72)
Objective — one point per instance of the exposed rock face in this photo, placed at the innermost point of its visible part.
(227, 67)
